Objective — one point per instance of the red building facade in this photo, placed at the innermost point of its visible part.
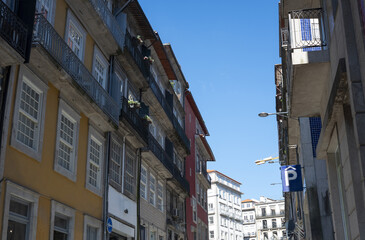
(196, 171)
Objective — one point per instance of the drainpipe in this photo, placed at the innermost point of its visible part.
(138, 197)
(106, 187)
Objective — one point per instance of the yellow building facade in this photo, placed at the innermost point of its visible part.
(52, 154)
(91, 124)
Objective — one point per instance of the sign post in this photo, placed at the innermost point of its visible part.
(291, 177)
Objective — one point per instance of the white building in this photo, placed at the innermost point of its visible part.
(224, 208)
(270, 219)
(249, 219)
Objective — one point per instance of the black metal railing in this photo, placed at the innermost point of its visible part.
(307, 29)
(181, 133)
(203, 170)
(134, 119)
(160, 97)
(106, 15)
(143, 65)
(155, 147)
(46, 36)
(12, 29)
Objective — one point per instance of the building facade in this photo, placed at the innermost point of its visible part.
(270, 219)
(224, 208)
(93, 141)
(326, 38)
(249, 219)
(196, 171)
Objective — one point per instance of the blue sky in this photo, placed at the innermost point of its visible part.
(227, 51)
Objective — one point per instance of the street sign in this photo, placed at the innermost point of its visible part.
(109, 225)
(291, 177)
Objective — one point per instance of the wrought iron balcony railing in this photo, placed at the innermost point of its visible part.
(167, 161)
(136, 54)
(181, 133)
(106, 15)
(203, 170)
(46, 36)
(267, 215)
(307, 29)
(12, 29)
(160, 97)
(134, 119)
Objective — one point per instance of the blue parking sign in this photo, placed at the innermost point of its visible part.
(291, 177)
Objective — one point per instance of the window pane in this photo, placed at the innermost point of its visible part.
(59, 235)
(61, 222)
(94, 164)
(19, 208)
(16, 230)
(28, 115)
(116, 154)
(91, 233)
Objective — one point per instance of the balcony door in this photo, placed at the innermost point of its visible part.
(46, 7)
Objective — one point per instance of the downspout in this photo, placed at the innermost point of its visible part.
(138, 197)
(106, 187)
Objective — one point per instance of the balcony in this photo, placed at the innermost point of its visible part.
(248, 221)
(168, 168)
(260, 216)
(181, 134)
(307, 53)
(53, 58)
(101, 24)
(131, 117)
(137, 60)
(203, 175)
(131, 46)
(13, 33)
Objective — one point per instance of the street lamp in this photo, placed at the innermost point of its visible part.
(266, 160)
(265, 114)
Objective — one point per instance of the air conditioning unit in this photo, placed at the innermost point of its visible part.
(284, 34)
(175, 212)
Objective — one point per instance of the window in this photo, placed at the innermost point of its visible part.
(194, 210)
(67, 140)
(92, 228)
(19, 219)
(273, 213)
(129, 172)
(210, 205)
(211, 234)
(152, 235)
(211, 220)
(27, 134)
(20, 213)
(115, 161)
(152, 189)
(75, 35)
(263, 212)
(100, 68)
(264, 224)
(143, 182)
(142, 231)
(160, 196)
(95, 161)
(266, 236)
(62, 222)
(273, 223)
(47, 8)
(61, 225)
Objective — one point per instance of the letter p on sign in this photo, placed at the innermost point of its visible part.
(291, 177)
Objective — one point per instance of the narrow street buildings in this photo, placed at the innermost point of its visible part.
(93, 141)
